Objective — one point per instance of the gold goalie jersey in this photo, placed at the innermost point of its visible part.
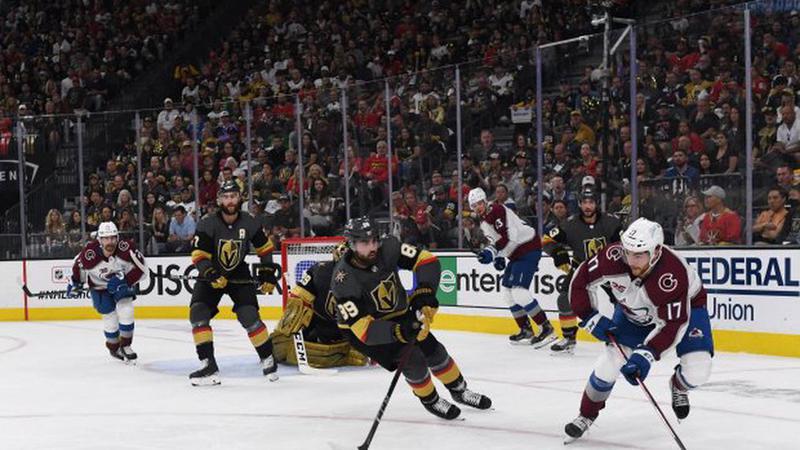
(224, 247)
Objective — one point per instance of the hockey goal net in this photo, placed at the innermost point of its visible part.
(298, 254)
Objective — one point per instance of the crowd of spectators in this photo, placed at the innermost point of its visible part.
(690, 109)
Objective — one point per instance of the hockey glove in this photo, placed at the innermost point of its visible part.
(424, 299)
(425, 328)
(297, 315)
(407, 330)
(217, 281)
(73, 288)
(487, 255)
(267, 275)
(118, 288)
(599, 325)
(638, 365)
(500, 264)
(561, 259)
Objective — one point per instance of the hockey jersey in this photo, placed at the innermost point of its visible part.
(223, 247)
(663, 299)
(92, 266)
(585, 239)
(314, 289)
(509, 234)
(368, 298)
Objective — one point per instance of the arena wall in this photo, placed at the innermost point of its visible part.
(754, 295)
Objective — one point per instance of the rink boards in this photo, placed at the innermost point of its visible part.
(753, 295)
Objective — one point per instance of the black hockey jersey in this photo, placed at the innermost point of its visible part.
(315, 288)
(585, 240)
(367, 299)
(223, 247)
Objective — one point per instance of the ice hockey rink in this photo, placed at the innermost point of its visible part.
(60, 390)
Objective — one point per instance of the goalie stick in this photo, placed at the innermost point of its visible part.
(302, 358)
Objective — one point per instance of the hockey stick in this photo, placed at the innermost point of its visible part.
(650, 396)
(302, 357)
(385, 403)
(46, 293)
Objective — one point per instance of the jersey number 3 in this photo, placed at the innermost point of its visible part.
(348, 310)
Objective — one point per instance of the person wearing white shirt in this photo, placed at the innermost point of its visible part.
(789, 131)
(166, 118)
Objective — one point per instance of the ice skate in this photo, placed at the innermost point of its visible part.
(680, 401)
(577, 428)
(564, 346)
(269, 368)
(208, 375)
(545, 336)
(440, 407)
(470, 398)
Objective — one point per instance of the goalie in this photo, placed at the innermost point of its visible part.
(312, 308)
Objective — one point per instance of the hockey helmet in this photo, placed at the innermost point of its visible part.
(643, 236)
(107, 229)
(228, 186)
(360, 228)
(475, 196)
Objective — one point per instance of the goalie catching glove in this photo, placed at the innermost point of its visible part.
(296, 316)
(267, 276)
(424, 300)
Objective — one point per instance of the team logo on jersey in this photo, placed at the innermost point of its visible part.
(667, 282)
(229, 252)
(593, 246)
(330, 305)
(385, 295)
(614, 253)
(89, 255)
(124, 246)
(696, 333)
(340, 276)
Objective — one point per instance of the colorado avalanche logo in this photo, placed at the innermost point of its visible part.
(124, 246)
(696, 333)
(89, 255)
(614, 253)
(667, 282)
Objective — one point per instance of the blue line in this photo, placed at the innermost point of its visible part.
(754, 292)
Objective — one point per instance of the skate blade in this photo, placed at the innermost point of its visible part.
(212, 380)
(273, 377)
(522, 342)
(545, 342)
(562, 353)
(569, 440)
(130, 362)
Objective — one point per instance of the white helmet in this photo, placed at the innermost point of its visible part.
(476, 195)
(643, 236)
(107, 229)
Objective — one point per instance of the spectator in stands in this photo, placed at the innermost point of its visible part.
(784, 177)
(560, 211)
(767, 134)
(719, 225)
(485, 147)
(286, 223)
(124, 201)
(159, 231)
(55, 230)
(583, 133)
(687, 230)
(166, 118)
(725, 159)
(320, 208)
(181, 231)
(681, 169)
(695, 143)
(771, 225)
(558, 192)
(789, 131)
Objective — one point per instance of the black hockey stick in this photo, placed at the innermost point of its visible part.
(385, 403)
(650, 396)
(46, 293)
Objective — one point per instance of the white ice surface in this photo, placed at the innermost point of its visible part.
(60, 390)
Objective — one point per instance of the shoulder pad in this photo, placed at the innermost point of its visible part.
(668, 281)
(91, 255)
(343, 282)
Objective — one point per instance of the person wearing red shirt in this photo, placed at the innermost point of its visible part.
(366, 118)
(376, 168)
(719, 225)
(684, 130)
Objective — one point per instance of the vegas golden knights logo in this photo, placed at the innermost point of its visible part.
(330, 305)
(593, 246)
(228, 253)
(385, 295)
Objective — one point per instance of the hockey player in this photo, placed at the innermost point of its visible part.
(112, 267)
(390, 328)
(220, 245)
(585, 234)
(510, 237)
(660, 303)
(311, 307)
